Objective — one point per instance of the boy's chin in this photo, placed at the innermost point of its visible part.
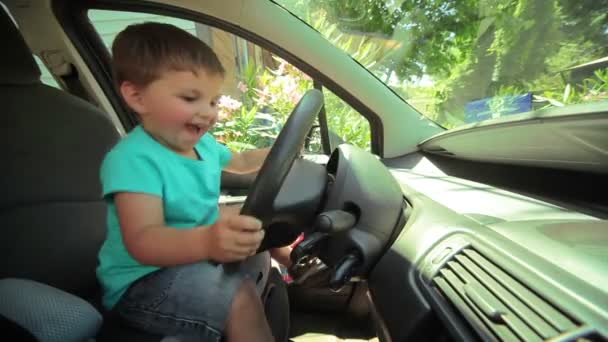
(188, 141)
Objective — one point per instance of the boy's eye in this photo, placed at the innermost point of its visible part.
(213, 103)
(188, 98)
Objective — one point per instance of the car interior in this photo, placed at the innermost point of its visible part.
(428, 235)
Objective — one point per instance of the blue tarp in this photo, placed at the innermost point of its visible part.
(483, 109)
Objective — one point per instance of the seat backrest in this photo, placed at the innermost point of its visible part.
(52, 216)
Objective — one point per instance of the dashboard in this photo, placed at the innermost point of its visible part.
(476, 262)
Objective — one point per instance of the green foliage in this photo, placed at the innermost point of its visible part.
(447, 53)
(589, 90)
(364, 51)
(467, 49)
(268, 97)
(346, 122)
(560, 94)
(429, 33)
(247, 129)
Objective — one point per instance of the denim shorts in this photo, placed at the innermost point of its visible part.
(190, 302)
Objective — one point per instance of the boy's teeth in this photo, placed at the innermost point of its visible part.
(196, 128)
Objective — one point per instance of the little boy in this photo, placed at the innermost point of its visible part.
(161, 265)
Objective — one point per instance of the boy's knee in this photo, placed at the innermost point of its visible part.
(246, 303)
(245, 296)
(247, 321)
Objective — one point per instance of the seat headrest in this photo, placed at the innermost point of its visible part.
(17, 64)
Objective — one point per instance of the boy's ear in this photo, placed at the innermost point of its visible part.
(132, 96)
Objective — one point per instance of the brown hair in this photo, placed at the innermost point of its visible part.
(142, 52)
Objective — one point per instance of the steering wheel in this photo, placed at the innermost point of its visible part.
(286, 149)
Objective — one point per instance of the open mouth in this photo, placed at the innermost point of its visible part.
(195, 129)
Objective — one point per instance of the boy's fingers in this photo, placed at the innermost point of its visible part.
(233, 249)
(242, 222)
(241, 254)
(250, 239)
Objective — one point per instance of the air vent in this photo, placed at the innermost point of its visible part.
(498, 306)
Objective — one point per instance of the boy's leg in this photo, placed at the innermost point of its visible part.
(197, 301)
(247, 321)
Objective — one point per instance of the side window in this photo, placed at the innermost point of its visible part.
(344, 123)
(46, 76)
(260, 88)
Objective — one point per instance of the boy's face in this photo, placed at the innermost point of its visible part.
(178, 108)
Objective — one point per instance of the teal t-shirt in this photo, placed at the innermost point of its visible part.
(189, 190)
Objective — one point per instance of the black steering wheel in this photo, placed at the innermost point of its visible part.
(286, 149)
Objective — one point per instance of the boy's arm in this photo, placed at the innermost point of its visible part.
(150, 242)
(247, 161)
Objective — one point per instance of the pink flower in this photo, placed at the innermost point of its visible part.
(229, 103)
(227, 106)
(242, 87)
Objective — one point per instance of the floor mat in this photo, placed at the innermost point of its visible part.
(306, 327)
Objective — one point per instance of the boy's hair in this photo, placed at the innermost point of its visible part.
(142, 52)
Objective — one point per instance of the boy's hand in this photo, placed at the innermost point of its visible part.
(233, 238)
(230, 210)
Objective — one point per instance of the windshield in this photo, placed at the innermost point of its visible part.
(465, 61)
